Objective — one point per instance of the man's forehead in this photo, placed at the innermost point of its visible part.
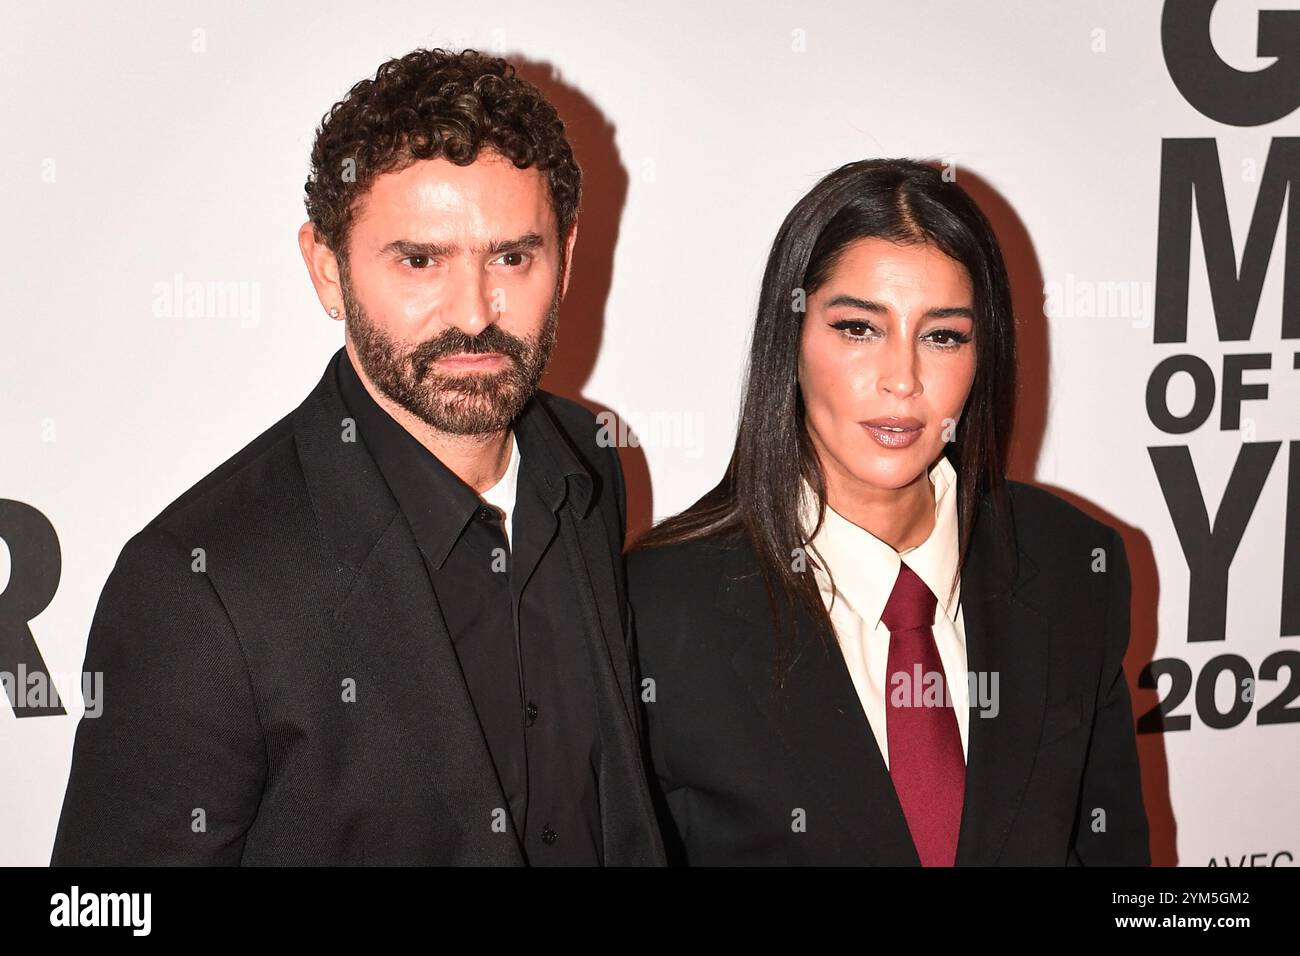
(436, 199)
(487, 182)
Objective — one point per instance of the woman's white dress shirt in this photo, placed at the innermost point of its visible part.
(864, 569)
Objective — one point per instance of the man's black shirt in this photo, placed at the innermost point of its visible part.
(512, 618)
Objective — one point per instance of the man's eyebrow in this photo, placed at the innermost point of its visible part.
(439, 250)
(405, 247)
(525, 243)
(866, 305)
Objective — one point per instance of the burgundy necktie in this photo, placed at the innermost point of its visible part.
(925, 756)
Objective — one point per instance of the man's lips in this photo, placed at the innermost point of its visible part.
(471, 360)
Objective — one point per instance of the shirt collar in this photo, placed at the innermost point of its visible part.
(549, 460)
(864, 568)
(503, 493)
(434, 499)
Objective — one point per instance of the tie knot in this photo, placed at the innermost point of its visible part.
(911, 604)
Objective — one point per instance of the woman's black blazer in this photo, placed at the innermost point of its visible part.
(748, 774)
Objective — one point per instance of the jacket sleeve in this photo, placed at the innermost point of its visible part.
(171, 770)
(1112, 781)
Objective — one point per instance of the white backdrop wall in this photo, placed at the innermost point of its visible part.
(151, 145)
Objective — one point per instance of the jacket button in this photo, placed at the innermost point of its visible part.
(531, 713)
(548, 836)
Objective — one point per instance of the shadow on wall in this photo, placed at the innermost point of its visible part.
(1033, 366)
(582, 316)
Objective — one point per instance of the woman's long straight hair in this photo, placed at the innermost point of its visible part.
(898, 200)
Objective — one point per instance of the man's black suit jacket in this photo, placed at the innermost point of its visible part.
(229, 732)
(748, 777)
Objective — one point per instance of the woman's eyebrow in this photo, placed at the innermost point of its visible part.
(866, 305)
(950, 312)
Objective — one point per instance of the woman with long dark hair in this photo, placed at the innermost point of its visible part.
(866, 644)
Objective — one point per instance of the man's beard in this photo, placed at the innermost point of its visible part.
(467, 403)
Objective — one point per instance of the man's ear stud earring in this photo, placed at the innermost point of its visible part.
(334, 313)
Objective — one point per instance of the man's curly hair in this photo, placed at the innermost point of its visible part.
(430, 104)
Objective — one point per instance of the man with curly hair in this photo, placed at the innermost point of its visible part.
(393, 628)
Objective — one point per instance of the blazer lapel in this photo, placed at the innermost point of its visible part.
(390, 625)
(1006, 637)
(630, 835)
(819, 720)
(586, 540)
(588, 548)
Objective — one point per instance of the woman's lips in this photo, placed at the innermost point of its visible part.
(893, 432)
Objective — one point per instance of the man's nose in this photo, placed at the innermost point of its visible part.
(469, 305)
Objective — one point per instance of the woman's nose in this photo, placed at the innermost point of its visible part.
(898, 377)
